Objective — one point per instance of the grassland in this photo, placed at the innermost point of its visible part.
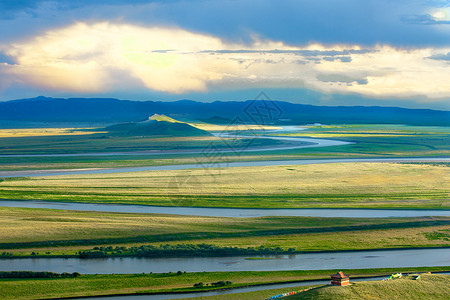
(369, 141)
(94, 143)
(338, 185)
(426, 287)
(365, 185)
(88, 285)
(378, 140)
(41, 132)
(61, 233)
(89, 140)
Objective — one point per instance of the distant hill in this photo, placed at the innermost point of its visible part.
(426, 287)
(156, 125)
(275, 112)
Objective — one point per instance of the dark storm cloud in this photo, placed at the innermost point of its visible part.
(377, 30)
(424, 20)
(296, 22)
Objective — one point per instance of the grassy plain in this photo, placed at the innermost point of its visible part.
(88, 285)
(378, 140)
(352, 185)
(92, 143)
(26, 230)
(369, 141)
(337, 185)
(41, 132)
(426, 287)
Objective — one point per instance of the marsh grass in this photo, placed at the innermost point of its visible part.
(336, 185)
(368, 141)
(87, 285)
(26, 230)
(433, 286)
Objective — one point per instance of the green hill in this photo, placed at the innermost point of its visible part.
(426, 287)
(156, 125)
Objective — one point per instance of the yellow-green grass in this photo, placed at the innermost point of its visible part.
(26, 230)
(99, 143)
(436, 236)
(164, 118)
(428, 286)
(89, 285)
(111, 161)
(422, 237)
(337, 185)
(379, 140)
(85, 140)
(29, 132)
(368, 141)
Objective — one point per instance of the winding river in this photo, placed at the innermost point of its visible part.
(227, 212)
(293, 143)
(45, 173)
(309, 261)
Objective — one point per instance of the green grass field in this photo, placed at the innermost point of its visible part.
(58, 233)
(88, 285)
(369, 141)
(426, 287)
(55, 233)
(337, 185)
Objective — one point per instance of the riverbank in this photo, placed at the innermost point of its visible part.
(306, 261)
(427, 286)
(114, 284)
(32, 232)
(342, 183)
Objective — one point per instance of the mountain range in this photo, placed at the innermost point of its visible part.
(44, 109)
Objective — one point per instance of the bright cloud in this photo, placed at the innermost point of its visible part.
(104, 56)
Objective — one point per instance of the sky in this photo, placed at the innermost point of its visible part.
(324, 52)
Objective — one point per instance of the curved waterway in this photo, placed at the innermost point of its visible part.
(293, 143)
(228, 212)
(307, 261)
(264, 163)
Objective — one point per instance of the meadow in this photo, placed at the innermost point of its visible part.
(369, 141)
(88, 285)
(426, 287)
(334, 185)
(48, 233)
(27, 232)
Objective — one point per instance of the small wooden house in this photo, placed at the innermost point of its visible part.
(340, 279)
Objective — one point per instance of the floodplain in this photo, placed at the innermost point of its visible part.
(50, 233)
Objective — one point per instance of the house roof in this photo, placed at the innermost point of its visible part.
(339, 275)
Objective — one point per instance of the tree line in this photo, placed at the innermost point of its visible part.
(180, 250)
(31, 274)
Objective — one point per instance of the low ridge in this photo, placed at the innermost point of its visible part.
(156, 125)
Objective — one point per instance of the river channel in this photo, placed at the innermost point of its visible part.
(228, 212)
(306, 261)
(46, 173)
